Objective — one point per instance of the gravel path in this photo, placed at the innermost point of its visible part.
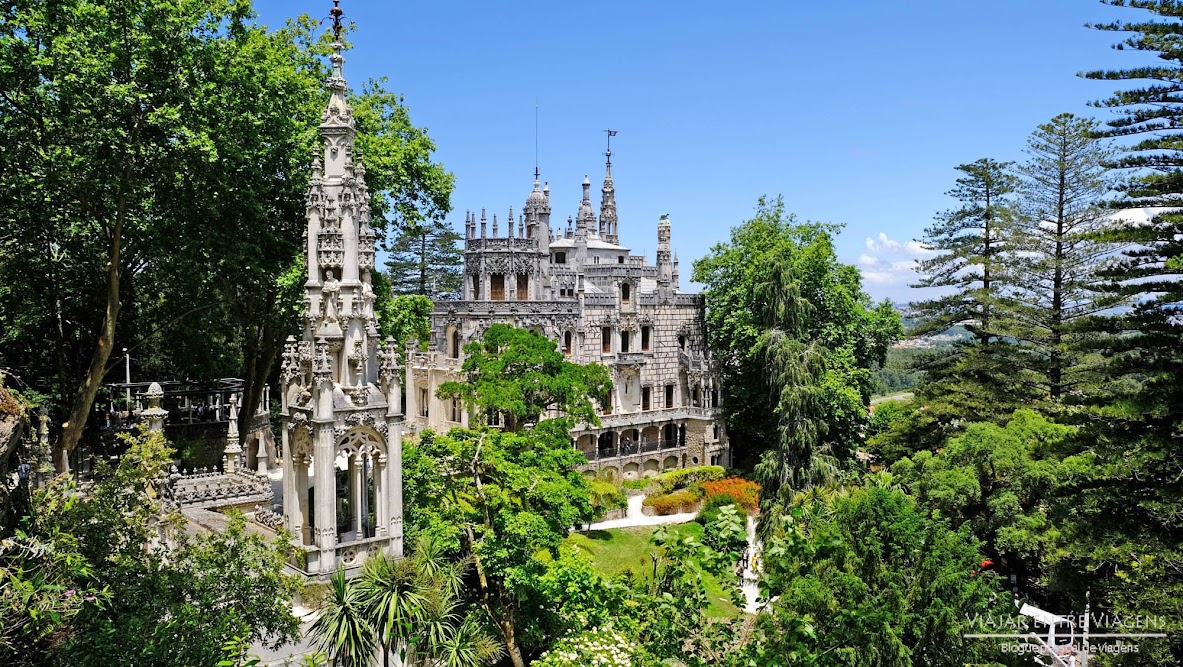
(635, 517)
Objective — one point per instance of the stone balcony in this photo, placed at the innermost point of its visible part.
(638, 418)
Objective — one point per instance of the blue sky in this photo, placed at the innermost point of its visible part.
(856, 112)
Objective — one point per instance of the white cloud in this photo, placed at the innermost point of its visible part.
(889, 246)
(889, 267)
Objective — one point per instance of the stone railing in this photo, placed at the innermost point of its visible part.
(625, 419)
(500, 243)
(210, 488)
(635, 448)
(267, 516)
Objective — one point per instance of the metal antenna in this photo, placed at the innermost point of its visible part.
(608, 153)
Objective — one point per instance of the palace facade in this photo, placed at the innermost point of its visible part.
(600, 303)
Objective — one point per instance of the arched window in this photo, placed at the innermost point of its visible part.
(625, 292)
(567, 336)
(455, 343)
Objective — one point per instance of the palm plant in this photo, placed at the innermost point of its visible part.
(391, 594)
(343, 630)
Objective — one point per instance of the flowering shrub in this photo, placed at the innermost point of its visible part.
(746, 493)
(602, 647)
(682, 500)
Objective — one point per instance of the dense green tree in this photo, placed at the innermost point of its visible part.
(158, 154)
(506, 495)
(796, 338)
(969, 243)
(427, 260)
(868, 578)
(97, 120)
(1126, 528)
(125, 568)
(516, 495)
(1006, 483)
(523, 379)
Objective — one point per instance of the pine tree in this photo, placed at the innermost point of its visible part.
(969, 242)
(1126, 511)
(425, 259)
(978, 379)
(1055, 253)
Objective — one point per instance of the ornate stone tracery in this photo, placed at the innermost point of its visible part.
(341, 383)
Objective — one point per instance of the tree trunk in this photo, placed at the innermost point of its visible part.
(84, 397)
(511, 644)
(505, 623)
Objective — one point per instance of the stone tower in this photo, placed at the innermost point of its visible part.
(342, 393)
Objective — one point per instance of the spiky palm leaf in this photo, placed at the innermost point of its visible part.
(342, 631)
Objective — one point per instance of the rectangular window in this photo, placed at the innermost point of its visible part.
(497, 287)
(645, 398)
(455, 409)
(669, 396)
(560, 258)
(624, 336)
(523, 287)
(606, 340)
(476, 288)
(620, 259)
(644, 339)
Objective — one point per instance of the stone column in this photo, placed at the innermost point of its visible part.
(233, 451)
(301, 505)
(357, 466)
(394, 484)
(381, 464)
(291, 498)
(326, 497)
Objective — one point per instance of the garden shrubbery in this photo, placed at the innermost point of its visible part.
(682, 500)
(684, 477)
(742, 492)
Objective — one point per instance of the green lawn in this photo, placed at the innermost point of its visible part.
(621, 549)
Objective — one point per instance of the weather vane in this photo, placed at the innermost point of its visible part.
(335, 15)
(608, 153)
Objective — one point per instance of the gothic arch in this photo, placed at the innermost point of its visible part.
(363, 440)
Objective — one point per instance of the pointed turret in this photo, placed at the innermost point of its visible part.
(608, 229)
(586, 217)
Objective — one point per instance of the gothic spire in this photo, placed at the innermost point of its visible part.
(608, 223)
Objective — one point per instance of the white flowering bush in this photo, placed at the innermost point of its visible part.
(602, 647)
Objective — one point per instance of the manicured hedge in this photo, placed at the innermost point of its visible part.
(684, 477)
(682, 500)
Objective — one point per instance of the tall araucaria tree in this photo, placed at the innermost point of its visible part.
(1055, 253)
(969, 243)
(1128, 508)
(426, 260)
